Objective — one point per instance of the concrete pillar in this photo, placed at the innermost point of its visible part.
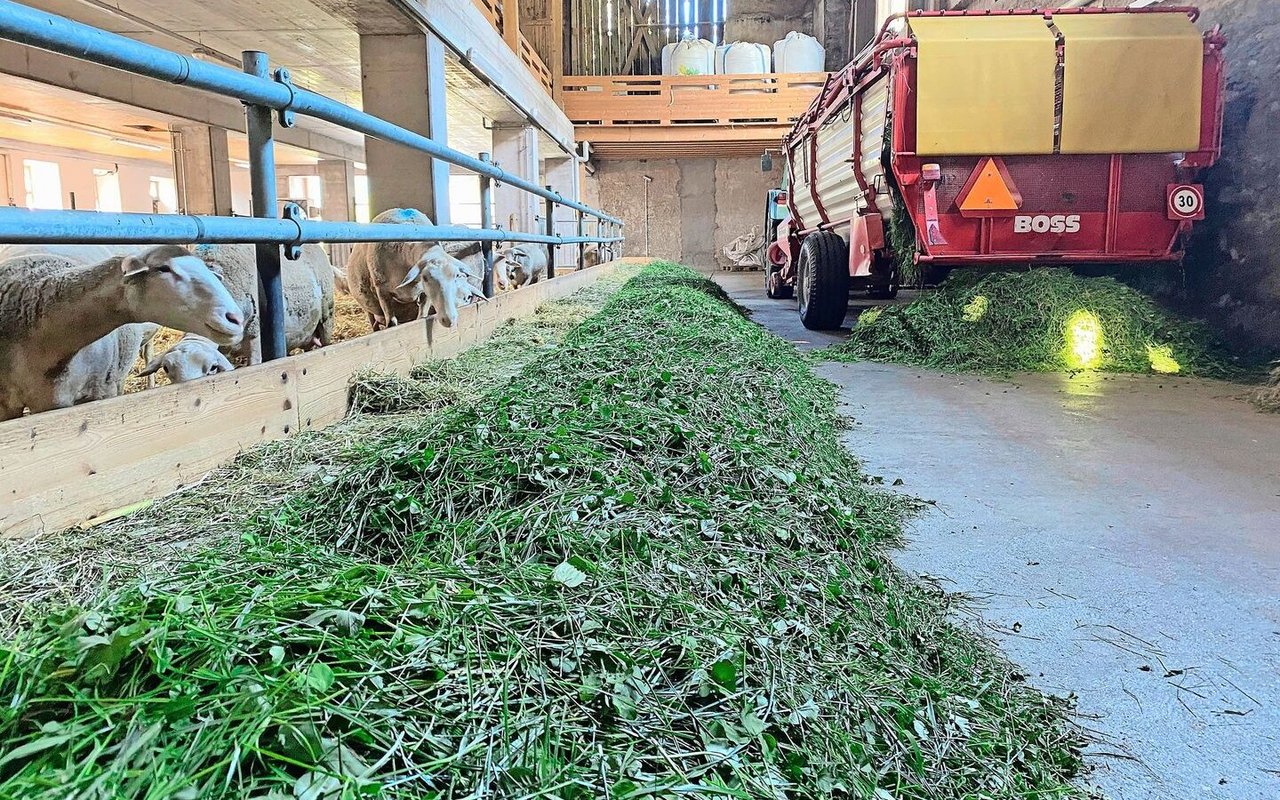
(202, 168)
(338, 179)
(516, 151)
(402, 81)
(562, 175)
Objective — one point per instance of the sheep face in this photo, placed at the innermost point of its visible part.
(169, 286)
(440, 281)
(190, 359)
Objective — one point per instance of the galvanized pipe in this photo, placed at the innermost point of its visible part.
(26, 226)
(47, 31)
(582, 247)
(486, 222)
(262, 183)
(551, 232)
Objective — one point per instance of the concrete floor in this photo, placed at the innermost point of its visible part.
(1120, 537)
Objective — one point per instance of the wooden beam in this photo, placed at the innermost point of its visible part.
(556, 37)
(511, 24)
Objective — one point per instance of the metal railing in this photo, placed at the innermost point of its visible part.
(269, 97)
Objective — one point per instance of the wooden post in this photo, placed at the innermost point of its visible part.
(556, 36)
(511, 24)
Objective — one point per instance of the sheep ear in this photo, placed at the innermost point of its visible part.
(132, 267)
(153, 367)
(412, 276)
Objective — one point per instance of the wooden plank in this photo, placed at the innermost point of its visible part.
(711, 100)
(63, 467)
(323, 374)
(556, 55)
(511, 24)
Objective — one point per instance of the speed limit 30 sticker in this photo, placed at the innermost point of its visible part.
(1186, 201)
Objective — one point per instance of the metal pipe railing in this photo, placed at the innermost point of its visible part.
(262, 187)
(24, 226)
(263, 92)
(47, 31)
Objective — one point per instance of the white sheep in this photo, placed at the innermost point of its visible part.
(395, 281)
(192, 358)
(307, 285)
(99, 370)
(520, 265)
(51, 308)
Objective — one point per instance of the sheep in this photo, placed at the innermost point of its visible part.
(51, 308)
(520, 265)
(85, 254)
(99, 370)
(340, 280)
(193, 357)
(307, 285)
(393, 281)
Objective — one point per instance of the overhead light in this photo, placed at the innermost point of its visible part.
(155, 148)
(15, 119)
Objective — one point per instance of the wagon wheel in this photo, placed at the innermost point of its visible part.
(822, 283)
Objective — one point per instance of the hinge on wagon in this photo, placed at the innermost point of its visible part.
(285, 78)
(293, 213)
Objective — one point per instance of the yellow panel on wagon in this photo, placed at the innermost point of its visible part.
(1131, 83)
(985, 85)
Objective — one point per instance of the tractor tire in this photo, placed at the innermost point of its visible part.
(774, 288)
(885, 292)
(822, 282)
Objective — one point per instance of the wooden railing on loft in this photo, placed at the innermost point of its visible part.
(722, 100)
(508, 26)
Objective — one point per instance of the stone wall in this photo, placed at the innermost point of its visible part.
(695, 208)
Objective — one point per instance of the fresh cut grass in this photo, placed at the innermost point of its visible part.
(1042, 320)
(640, 566)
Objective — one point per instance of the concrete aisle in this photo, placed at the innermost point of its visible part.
(1121, 539)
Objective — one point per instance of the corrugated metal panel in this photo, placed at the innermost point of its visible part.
(1131, 83)
(875, 117)
(837, 185)
(800, 194)
(985, 85)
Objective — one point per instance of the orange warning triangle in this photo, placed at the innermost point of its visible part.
(990, 192)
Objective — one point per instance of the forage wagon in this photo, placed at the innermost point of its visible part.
(1002, 138)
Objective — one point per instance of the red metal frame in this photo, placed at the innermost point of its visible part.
(1128, 223)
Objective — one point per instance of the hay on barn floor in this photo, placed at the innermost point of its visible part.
(1268, 397)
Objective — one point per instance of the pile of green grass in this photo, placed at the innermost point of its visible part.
(1043, 320)
(642, 567)
(1267, 398)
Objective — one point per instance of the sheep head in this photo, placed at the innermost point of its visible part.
(169, 286)
(440, 281)
(190, 359)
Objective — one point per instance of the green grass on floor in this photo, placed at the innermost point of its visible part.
(641, 565)
(1042, 320)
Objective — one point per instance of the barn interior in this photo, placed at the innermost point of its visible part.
(605, 525)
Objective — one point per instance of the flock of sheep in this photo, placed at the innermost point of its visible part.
(73, 318)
